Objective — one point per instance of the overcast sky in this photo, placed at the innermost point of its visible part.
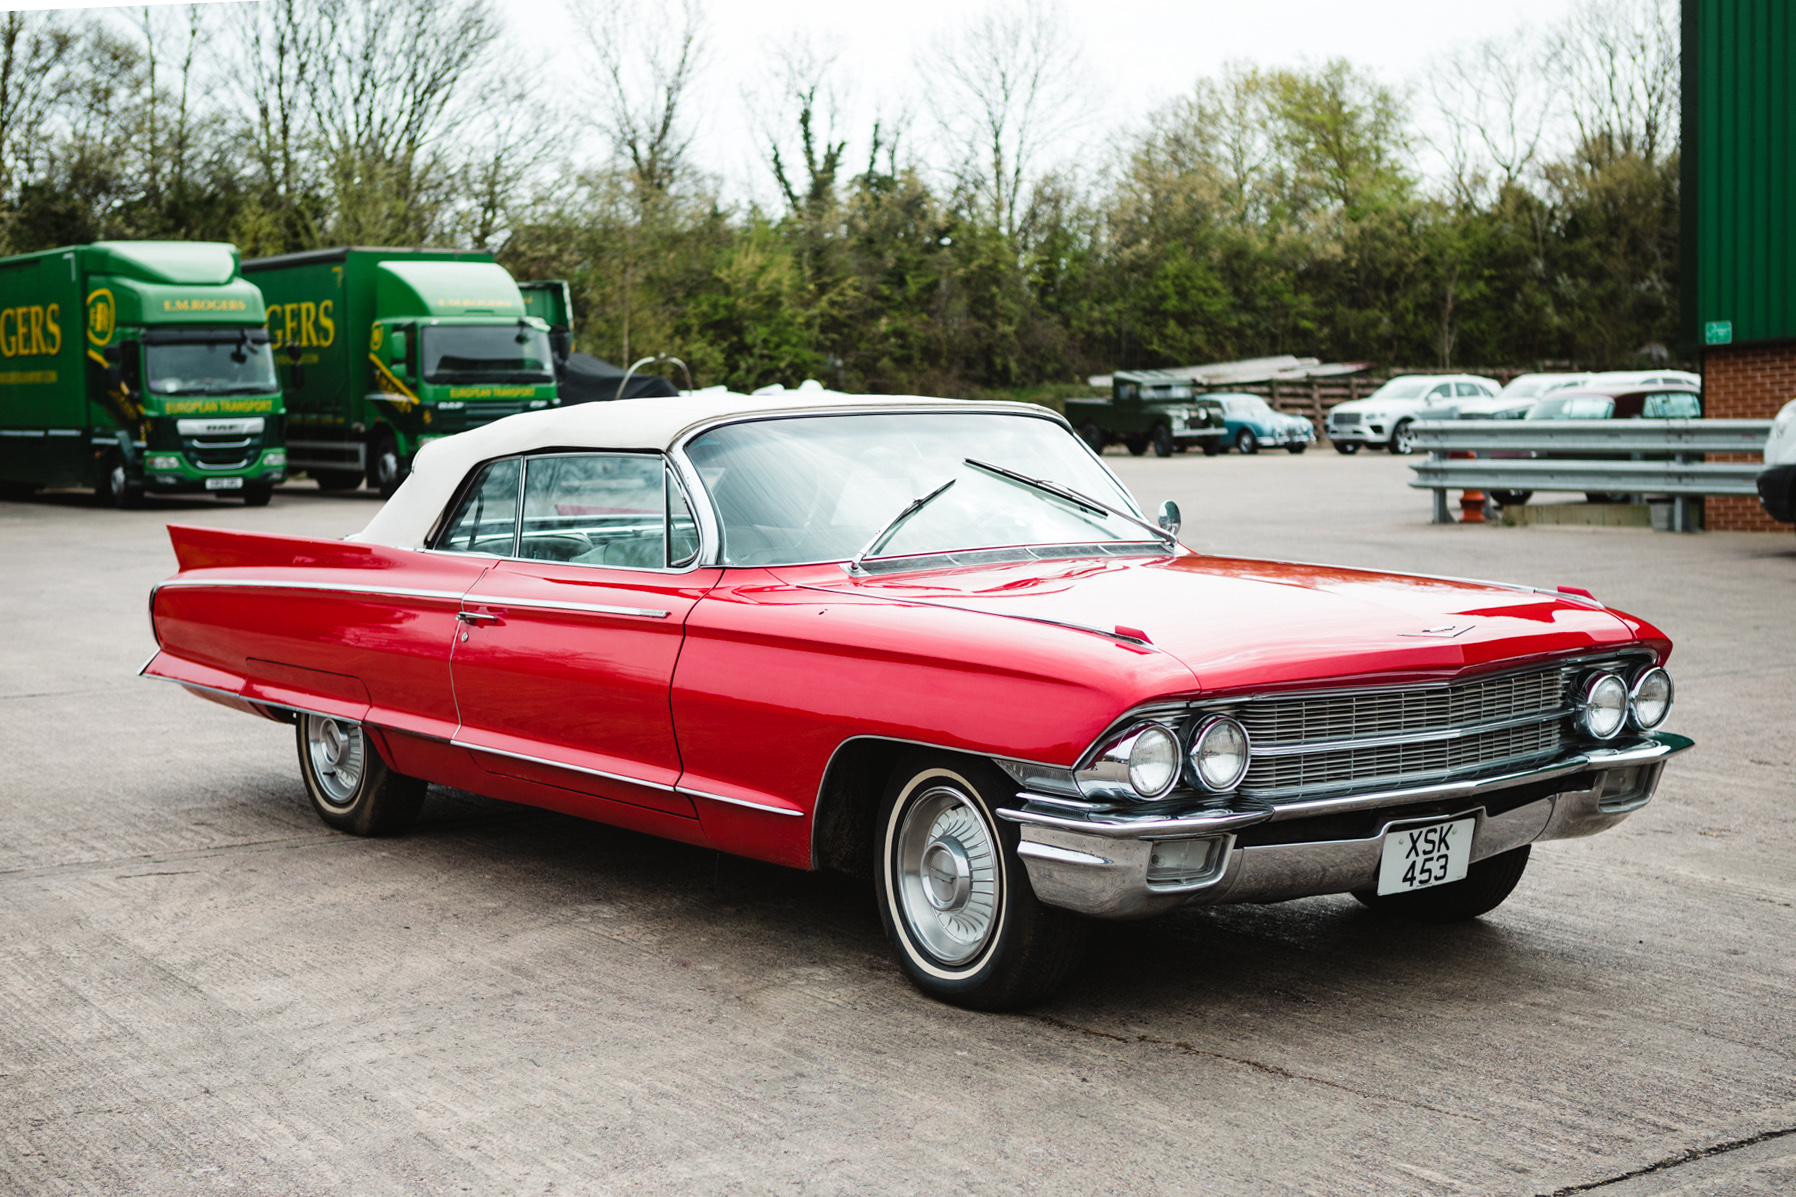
(1137, 53)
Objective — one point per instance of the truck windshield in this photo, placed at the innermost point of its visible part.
(221, 367)
(486, 353)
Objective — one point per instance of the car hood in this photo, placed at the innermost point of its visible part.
(1239, 623)
(1375, 405)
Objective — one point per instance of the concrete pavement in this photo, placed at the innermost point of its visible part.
(206, 991)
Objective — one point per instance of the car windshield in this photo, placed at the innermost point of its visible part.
(820, 488)
(1399, 390)
(1249, 405)
(221, 367)
(1526, 387)
(486, 353)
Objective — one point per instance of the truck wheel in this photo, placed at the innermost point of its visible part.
(384, 473)
(1482, 890)
(1347, 448)
(1246, 442)
(1162, 441)
(1213, 446)
(17, 492)
(349, 784)
(337, 479)
(955, 897)
(1094, 436)
(257, 494)
(115, 487)
(1136, 445)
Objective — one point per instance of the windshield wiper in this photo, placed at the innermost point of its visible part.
(891, 529)
(1068, 495)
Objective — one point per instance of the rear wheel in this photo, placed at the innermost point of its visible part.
(337, 479)
(955, 897)
(1349, 448)
(1511, 498)
(1094, 436)
(1136, 445)
(1482, 890)
(1162, 441)
(1247, 442)
(350, 786)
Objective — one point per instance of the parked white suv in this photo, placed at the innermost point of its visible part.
(1777, 485)
(1382, 419)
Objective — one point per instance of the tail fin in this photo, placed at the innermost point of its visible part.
(219, 548)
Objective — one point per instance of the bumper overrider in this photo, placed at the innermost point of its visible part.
(1130, 864)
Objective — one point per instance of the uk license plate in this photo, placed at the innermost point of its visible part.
(1418, 857)
(224, 484)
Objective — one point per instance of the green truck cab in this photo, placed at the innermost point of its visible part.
(386, 349)
(137, 367)
(1148, 408)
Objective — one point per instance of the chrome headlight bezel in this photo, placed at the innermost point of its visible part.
(1634, 698)
(1219, 725)
(1112, 772)
(1592, 713)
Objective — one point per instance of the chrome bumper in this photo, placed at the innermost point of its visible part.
(1099, 863)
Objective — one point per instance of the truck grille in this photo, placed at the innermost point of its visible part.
(480, 413)
(1409, 735)
(221, 453)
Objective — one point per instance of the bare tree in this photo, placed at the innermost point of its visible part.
(1003, 88)
(1618, 60)
(1494, 102)
(510, 146)
(281, 57)
(37, 57)
(645, 82)
(804, 101)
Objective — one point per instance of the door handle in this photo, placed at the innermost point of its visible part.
(478, 617)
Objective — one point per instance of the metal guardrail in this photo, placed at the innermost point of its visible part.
(1680, 444)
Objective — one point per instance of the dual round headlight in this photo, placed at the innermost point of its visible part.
(1147, 760)
(1610, 704)
(1219, 753)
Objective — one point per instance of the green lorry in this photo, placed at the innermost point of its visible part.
(1146, 409)
(137, 367)
(385, 349)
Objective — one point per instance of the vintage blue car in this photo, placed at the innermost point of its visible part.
(1251, 422)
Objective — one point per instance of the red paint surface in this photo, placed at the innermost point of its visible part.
(757, 676)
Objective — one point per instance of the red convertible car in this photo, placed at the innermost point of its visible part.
(931, 642)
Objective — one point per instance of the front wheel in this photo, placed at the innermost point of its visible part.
(955, 897)
(1511, 498)
(116, 489)
(1162, 441)
(1136, 445)
(257, 494)
(1296, 447)
(1213, 446)
(1480, 891)
(384, 471)
(337, 479)
(1094, 436)
(1346, 448)
(1402, 440)
(350, 785)
(1246, 442)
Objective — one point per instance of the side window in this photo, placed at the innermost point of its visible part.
(1468, 390)
(1442, 391)
(1588, 408)
(486, 520)
(606, 509)
(1678, 405)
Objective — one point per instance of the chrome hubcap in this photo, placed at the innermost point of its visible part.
(947, 875)
(336, 750)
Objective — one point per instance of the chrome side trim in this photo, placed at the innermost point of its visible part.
(635, 781)
(489, 600)
(762, 806)
(1059, 855)
(1112, 826)
(338, 587)
(537, 760)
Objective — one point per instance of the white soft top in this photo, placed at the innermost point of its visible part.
(654, 425)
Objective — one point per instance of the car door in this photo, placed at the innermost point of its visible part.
(566, 655)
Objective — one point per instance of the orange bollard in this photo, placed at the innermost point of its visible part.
(1471, 502)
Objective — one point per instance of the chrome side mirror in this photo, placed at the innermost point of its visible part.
(1169, 517)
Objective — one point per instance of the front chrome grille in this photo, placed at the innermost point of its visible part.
(1304, 744)
(1344, 417)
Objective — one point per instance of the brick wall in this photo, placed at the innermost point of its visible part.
(1745, 382)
